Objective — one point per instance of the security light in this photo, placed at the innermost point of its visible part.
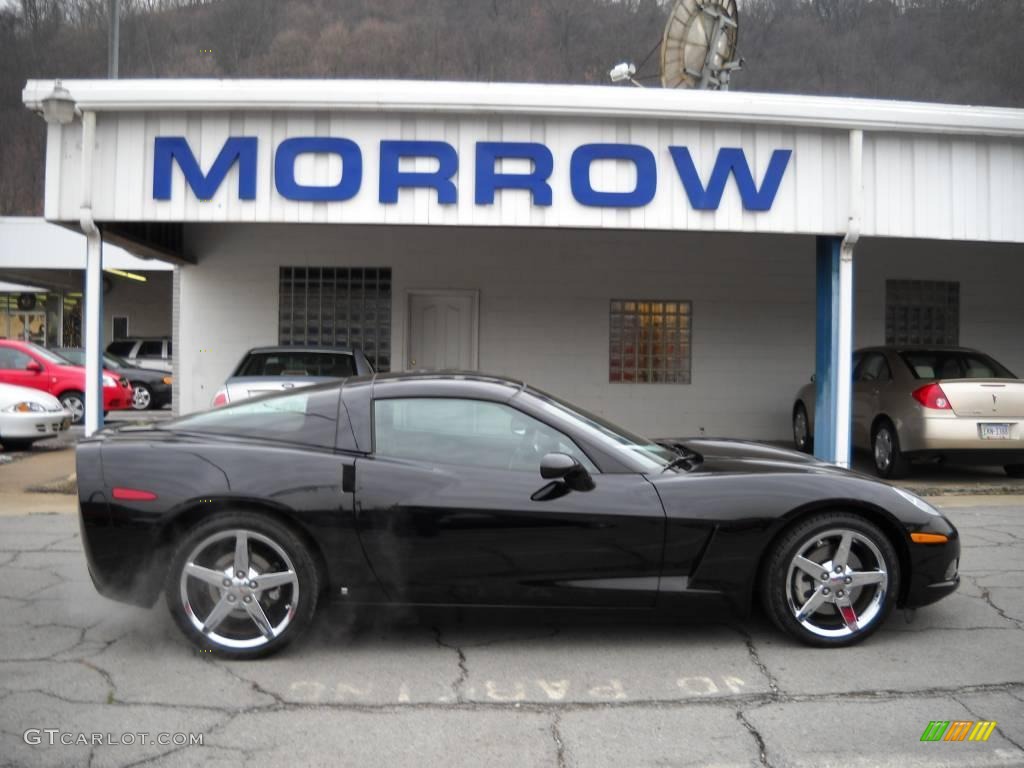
(622, 72)
(59, 107)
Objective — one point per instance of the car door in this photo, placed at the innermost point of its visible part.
(14, 370)
(448, 511)
(870, 377)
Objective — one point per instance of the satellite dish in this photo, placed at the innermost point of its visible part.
(698, 48)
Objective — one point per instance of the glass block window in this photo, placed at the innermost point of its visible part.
(649, 342)
(338, 307)
(922, 312)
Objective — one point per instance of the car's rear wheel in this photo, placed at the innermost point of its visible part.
(142, 397)
(890, 462)
(1014, 470)
(831, 580)
(74, 402)
(242, 585)
(802, 437)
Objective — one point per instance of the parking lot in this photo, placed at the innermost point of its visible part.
(523, 688)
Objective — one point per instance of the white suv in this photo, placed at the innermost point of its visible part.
(145, 353)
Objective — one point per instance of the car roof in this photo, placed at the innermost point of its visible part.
(330, 350)
(917, 348)
(427, 383)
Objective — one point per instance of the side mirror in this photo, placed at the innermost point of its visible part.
(562, 466)
(814, 378)
(34, 367)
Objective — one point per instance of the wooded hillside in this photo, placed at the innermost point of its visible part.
(960, 51)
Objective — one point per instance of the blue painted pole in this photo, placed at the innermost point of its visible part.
(826, 348)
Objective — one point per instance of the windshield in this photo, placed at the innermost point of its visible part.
(654, 456)
(47, 355)
(953, 364)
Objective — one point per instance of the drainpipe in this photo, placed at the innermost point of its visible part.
(93, 285)
(844, 372)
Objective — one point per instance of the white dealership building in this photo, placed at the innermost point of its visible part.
(678, 261)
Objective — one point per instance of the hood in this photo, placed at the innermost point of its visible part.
(725, 455)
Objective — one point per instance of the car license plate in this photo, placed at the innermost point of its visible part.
(994, 431)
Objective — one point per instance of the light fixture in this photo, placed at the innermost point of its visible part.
(128, 275)
(59, 107)
(622, 72)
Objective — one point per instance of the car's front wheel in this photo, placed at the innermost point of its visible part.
(75, 402)
(14, 444)
(242, 585)
(142, 397)
(831, 580)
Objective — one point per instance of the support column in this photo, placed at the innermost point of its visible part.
(833, 352)
(93, 333)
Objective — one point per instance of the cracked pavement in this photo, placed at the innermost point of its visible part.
(470, 688)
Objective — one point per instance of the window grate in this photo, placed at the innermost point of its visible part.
(337, 307)
(649, 341)
(922, 312)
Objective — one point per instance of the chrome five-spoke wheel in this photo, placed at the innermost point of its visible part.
(831, 579)
(837, 582)
(241, 585)
(142, 398)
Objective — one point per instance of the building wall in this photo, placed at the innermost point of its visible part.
(147, 305)
(544, 304)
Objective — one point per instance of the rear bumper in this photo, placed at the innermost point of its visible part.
(949, 434)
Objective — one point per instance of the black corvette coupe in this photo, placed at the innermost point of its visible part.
(465, 489)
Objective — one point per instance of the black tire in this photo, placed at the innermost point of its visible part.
(1014, 470)
(13, 444)
(74, 401)
(142, 396)
(781, 580)
(806, 444)
(203, 542)
(898, 465)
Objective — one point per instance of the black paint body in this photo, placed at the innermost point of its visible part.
(400, 531)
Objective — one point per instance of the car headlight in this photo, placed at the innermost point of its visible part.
(25, 407)
(168, 380)
(109, 381)
(918, 502)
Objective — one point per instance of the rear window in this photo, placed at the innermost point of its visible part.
(953, 365)
(308, 417)
(336, 365)
(121, 348)
(150, 349)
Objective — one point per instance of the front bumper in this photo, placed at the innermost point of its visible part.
(934, 572)
(33, 426)
(117, 398)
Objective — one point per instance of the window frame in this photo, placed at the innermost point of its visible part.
(373, 431)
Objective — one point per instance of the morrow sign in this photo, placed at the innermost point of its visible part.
(730, 162)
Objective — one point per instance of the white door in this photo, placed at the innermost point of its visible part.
(442, 331)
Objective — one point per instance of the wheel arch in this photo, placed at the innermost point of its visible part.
(198, 510)
(885, 521)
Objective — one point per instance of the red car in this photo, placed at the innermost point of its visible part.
(29, 365)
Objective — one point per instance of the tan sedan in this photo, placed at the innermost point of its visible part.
(933, 404)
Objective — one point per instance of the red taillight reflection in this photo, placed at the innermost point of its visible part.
(133, 494)
(932, 396)
(221, 398)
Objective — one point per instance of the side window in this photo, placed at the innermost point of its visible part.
(474, 433)
(13, 359)
(151, 349)
(305, 417)
(121, 348)
(873, 368)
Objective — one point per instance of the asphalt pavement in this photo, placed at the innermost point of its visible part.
(472, 688)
